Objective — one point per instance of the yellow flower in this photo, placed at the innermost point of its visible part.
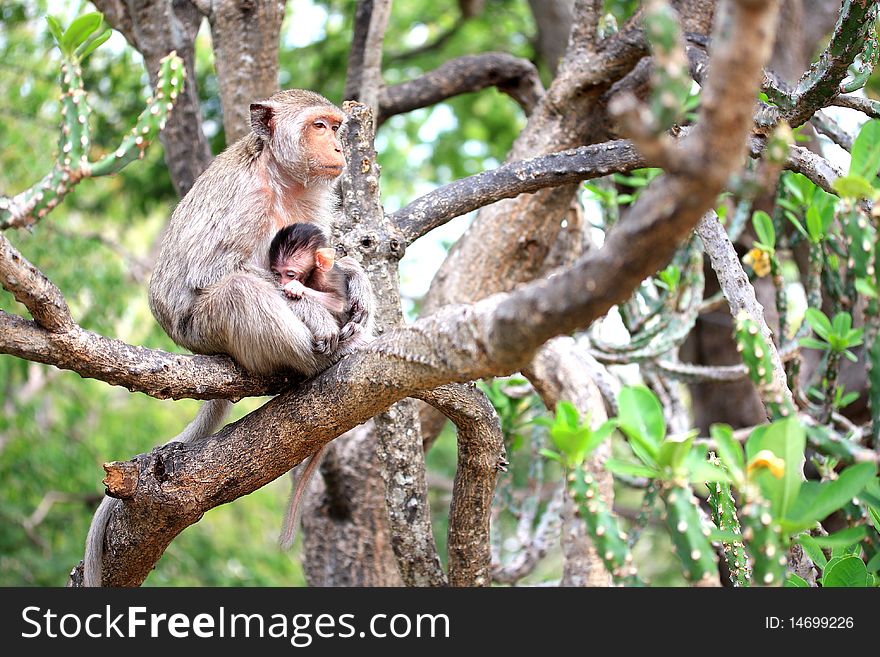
(767, 459)
(758, 260)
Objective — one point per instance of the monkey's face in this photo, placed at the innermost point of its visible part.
(298, 267)
(321, 143)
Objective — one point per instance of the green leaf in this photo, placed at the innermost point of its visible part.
(874, 514)
(702, 471)
(567, 414)
(841, 324)
(550, 454)
(90, 47)
(848, 572)
(814, 224)
(866, 151)
(797, 224)
(571, 442)
(819, 500)
(819, 322)
(641, 419)
(811, 547)
(763, 225)
(786, 439)
(80, 30)
(55, 28)
(729, 451)
(853, 187)
(813, 343)
(874, 563)
(842, 538)
(866, 288)
(631, 469)
(674, 450)
(794, 581)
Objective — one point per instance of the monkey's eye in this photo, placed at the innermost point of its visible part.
(320, 124)
(336, 128)
(293, 274)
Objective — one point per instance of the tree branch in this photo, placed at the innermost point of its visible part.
(558, 374)
(507, 181)
(31, 288)
(398, 431)
(153, 372)
(516, 77)
(364, 82)
(867, 106)
(738, 291)
(480, 454)
(245, 40)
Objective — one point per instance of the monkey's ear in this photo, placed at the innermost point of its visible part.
(324, 258)
(261, 119)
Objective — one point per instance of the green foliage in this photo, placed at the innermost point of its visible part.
(573, 437)
(763, 225)
(835, 335)
(865, 152)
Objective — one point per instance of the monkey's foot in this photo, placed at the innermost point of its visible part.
(325, 344)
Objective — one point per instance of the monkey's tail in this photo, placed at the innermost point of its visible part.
(291, 519)
(205, 422)
(92, 575)
(209, 416)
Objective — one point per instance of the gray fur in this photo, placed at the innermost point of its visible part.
(211, 290)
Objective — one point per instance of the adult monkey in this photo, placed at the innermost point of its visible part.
(211, 289)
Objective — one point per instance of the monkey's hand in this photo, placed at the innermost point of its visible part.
(295, 290)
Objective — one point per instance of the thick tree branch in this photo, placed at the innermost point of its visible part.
(364, 82)
(516, 77)
(480, 455)
(156, 373)
(31, 288)
(245, 39)
(398, 431)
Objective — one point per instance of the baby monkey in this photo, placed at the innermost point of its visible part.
(302, 261)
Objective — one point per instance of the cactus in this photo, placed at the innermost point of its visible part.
(724, 515)
(823, 80)
(756, 356)
(72, 163)
(764, 537)
(601, 525)
(865, 64)
(690, 537)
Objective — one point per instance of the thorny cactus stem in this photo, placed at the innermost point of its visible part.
(72, 163)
